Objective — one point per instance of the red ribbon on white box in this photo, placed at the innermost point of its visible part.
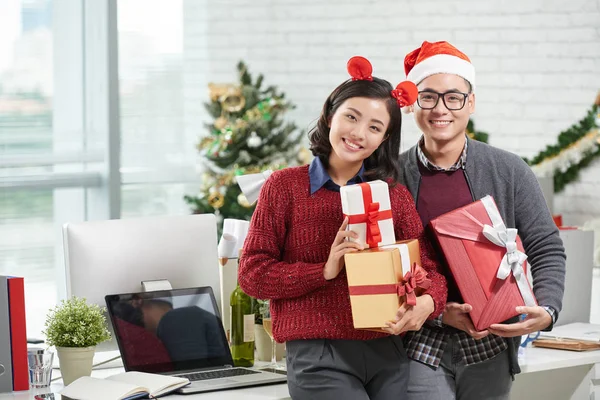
(371, 216)
(367, 206)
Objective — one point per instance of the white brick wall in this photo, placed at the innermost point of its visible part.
(537, 61)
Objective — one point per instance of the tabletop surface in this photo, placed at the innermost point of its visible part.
(533, 360)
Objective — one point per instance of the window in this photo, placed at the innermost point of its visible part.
(157, 153)
(82, 137)
(27, 244)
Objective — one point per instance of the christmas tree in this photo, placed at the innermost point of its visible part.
(248, 135)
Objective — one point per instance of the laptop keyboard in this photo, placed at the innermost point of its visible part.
(221, 373)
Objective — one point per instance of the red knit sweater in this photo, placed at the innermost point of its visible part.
(288, 244)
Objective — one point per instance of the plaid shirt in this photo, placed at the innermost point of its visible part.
(427, 345)
(432, 167)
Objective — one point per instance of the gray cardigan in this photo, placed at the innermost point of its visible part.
(514, 187)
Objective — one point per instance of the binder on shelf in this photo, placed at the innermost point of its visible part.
(14, 374)
(6, 384)
(18, 333)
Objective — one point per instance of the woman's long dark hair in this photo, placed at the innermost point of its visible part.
(383, 163)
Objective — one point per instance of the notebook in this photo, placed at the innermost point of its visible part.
(577, 336)
(567, 344)
(179, 332)
(124, 386)
(574, 331)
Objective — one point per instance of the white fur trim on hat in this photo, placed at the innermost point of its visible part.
(442, 64)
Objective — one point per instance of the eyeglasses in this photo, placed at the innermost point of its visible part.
(454, 101)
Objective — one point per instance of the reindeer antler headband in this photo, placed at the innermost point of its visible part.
(360, 69)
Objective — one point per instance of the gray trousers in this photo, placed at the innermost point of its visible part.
(490, 380)
(347, 369)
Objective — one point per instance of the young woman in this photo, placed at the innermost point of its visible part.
(295, 248)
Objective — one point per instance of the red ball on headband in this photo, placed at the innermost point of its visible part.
(405, 93)
(360, 69)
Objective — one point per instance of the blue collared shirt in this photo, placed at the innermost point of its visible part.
(318, 177)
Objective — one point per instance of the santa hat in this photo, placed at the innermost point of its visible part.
(438, 58)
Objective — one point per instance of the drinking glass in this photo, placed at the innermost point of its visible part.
(268, 325)
(40, 367)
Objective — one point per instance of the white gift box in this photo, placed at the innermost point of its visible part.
(368, 207)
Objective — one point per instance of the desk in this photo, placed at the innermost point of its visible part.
(549, 374)
(555, 374)
(269, 392)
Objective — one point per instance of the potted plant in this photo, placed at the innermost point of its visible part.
(75, 327)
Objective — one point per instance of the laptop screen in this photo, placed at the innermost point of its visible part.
(169, 331)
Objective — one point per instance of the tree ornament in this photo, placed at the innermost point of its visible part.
(244, 157)
(218, 90)
(233, 100)
(241, 124)
(228, 136)
(216, 200)
(215, 147)
(241, 199)
(220, 123)
(253, 114)
(254, 140)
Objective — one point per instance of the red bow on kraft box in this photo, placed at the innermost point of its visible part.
(381, 279)
(413, 280)
(367, 206)
(487, 261)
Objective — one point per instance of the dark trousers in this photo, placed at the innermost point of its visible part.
(347, 369)
(453, 380)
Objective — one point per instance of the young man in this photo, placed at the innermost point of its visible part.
(444, 171)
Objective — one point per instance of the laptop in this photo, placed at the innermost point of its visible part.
(179, 332)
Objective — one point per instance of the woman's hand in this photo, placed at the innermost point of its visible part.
(339, 248)
(411, 318)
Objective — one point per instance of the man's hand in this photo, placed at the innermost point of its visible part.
(411, 318)
(457, 316)
(339, 248)
(536, 320)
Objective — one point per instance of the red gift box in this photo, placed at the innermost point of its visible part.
(487, 261)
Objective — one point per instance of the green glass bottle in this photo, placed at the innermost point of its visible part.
(242, 328)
